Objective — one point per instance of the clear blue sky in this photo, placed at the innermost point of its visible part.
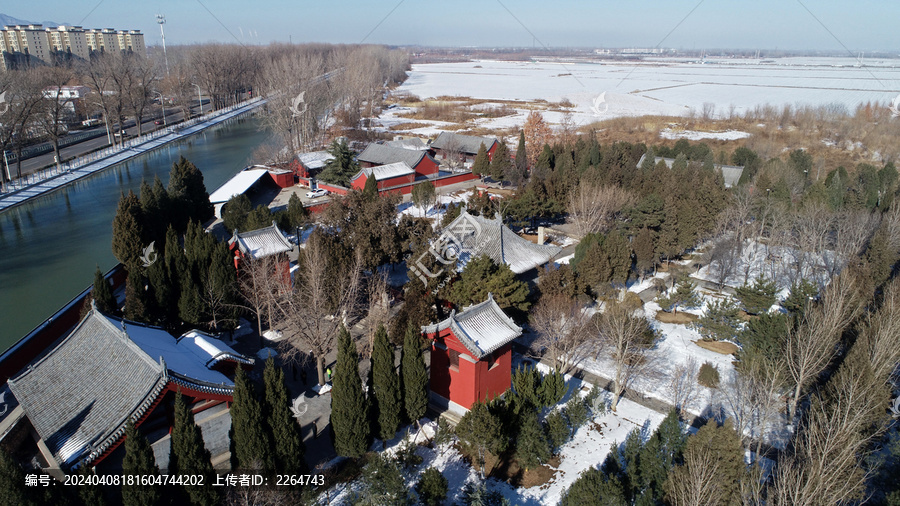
(865, 25)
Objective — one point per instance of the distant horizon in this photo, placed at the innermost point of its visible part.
(831, 26)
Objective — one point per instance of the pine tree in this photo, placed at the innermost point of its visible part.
(89, 495)
(720, 322)
(758, 297)
(188, 455)
(432, 487)
(348, 413)
(631, 452)
(289, 447)
(252, 443)
(128, 230)
(415, 376)
(649, 161)
(342, 167)
(480, 432)
(481, 166)
(501, 165)
(557, 431)
(644, 251)
(532, 448)
(190, 200)
(297, 214)
(481, 276)
(717, 448)
(370, 190)
(594, 487)
(235, 211)
(521, 156)
(424, 195)
(139, 461)
(102, 293)
(683, 296)
(802, 292)
(387, 385)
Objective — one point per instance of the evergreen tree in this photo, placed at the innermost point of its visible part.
(532, 448)
(683, 296)
(128, 230)
(802, 292)
(161, 293)
(252, 443)
(370, 190)
(102, 294)
(348, 413)
(136, 297)
(521, 155)
(432, 487)
(386, 384)
(557, 431)
(481, 276)
(289, 447)
(382, 483)
(190, 307)
(424, 195)
(188, 455)
(297, 214)
(480, 432)
(12, 483)
(260, 217)
(175, 267)
(139, 461)
(235, 211)
(415, 376)
(576, 413)
(717, 448)
(720, 322)
(188, 195)
(501, 166)
(764, 336)
(220, 288)
(644, 251)
(631, 453)
(758, 297)
(342, 167)
(553, 388)
(649, 161)
(672, 439)
(88, 494)
(594, 487)
(481, 166)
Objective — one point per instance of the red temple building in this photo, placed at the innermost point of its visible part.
(78, 398)
(471, 356)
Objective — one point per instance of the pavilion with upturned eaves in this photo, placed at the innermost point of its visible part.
(471, 355)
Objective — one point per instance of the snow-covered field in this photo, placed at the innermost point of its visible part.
(603, 90)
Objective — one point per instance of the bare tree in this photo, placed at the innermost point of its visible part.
(723, 258)
(256, 286)
(55, 109)
(626, 335)
(563, 329)
(592, 206)
(24, 97)
(143, 80)
(696, 482)
(683, 385)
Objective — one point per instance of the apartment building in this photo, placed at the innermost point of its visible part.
(33, 44)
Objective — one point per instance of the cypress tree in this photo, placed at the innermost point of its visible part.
(532, 448)
(520, 153)
(480, 432)
(188, 194)
(481, 166)
(415, 376)
(370, 190)
(386, 385)
(594, 487)
(102, 293)
(289, 447)
(631, 453)
(190, 307)
(128, 231)
(139, 461)
(188, 455)
(12, 482)
(161, 290)
(136, 297)
(348, 405)
(501, 166)
(89, 495)
(235, 211)
(297, 214)
(220, 292)
(758, 297)
(252, 445)
(175, 266)
(720, 322)
(644, 246)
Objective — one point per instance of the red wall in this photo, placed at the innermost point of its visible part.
(456, 178)
(340, 190)
(283, 180)
(473, 381)
(428, 166)
(360, 182)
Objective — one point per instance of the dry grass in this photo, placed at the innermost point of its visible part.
(680, 318)
(410, 125)
(722, 347)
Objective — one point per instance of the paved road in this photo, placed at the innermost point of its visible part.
(42, 161)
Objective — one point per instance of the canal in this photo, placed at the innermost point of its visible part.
(51, 246)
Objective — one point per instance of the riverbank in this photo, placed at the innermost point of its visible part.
(56, 178)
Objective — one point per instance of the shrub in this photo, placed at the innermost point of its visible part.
(591, 400)
(709, 375)
(478, 495)
(553, 388)
(432, 487)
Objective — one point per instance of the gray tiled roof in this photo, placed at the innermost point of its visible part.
(262, 242)
(482, 328)
(468, 144)
(84, 390)
(383, 172)
(382, 155)
(482, 236)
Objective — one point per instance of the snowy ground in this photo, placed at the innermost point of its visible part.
(603, 90)
(587, 448)
(694, 135)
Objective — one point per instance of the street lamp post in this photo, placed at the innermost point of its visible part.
(163, 105)
(199, 98)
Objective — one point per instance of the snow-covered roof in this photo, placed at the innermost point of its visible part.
(380, 154)
(468, 144)
(477, 235)
(383, 172)
(730, 173)
(80, 396)
(414, 143)
(237, 185)
(262, 242)
(315, 159)
(482, 328)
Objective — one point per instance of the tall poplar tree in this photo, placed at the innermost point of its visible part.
(252, 443)
(348, 405)
(386, 384)
(415, 376)
(289, 447)
(139, 461)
